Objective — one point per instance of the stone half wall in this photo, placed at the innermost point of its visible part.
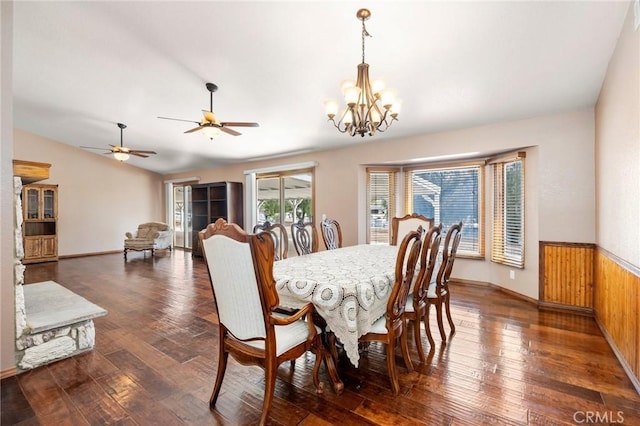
(52, 322)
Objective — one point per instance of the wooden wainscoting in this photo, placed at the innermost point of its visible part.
(617, 307)
(567, 276)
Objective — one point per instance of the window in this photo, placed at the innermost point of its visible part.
(508, 212)
(450, 194)
(381, 190)
(285, 197)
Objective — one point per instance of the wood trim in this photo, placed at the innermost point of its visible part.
(621, 262)
(617, 307)
(517, 295)
(9, 372)
(566, 274)
(566, 308)
(635, 380)
(30, 171)
(72, 256)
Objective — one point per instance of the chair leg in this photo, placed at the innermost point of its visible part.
(269, 387)
(405, 349)
(440, 323)
(391, 368)
(331, 340)
(319, 352)
(427, 327)
(222, 368)
(417, 337)
(448, 311)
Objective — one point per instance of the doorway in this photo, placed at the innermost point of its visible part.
(181, 214)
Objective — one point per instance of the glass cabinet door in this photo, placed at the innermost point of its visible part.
(33, 203)
(48, 207)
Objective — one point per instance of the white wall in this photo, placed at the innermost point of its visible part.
(618, 149)
(7, 315)
(99, 198)
(560, 200)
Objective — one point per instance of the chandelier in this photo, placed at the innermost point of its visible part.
(370, 107)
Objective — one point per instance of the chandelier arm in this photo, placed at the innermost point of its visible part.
(366, 114)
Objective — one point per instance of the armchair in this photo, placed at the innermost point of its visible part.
(149, 236)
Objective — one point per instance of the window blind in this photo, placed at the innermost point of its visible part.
(450, 194)
(381, 195)
(508, 212)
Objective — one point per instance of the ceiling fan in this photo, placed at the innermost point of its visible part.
(210, 125)
(121, 152)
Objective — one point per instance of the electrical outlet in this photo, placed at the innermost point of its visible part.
(512, 274)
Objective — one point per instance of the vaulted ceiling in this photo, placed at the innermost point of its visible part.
(82, 66)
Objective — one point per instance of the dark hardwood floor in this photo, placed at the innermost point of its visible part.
(156, 355)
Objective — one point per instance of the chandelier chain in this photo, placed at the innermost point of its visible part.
(364, 33)
(369, 109)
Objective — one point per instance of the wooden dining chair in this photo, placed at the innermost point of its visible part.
(391, 327)
(240, 267)
(416, 307)
(438, 293)
(280, 237)
(305, 237)
(331, 233)
(400, 226)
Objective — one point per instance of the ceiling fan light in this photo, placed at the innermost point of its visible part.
(121, 156)
(210, 132)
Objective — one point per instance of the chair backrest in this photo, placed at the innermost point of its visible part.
(239, 266)
(305, 237)
(451, 242)
(400, 226)
(280, 238)
(331, 234)
(428, 257)
(406, 261)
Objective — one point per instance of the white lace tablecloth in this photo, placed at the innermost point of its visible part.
(349, 288)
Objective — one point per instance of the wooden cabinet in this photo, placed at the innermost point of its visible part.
(40, 223)
(211, 201)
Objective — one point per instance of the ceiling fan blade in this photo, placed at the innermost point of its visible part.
(239, 124)
(230, 131)
(195, 129)
(179, 119)
(141, 151)
(137, 154)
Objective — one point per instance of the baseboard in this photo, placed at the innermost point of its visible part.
(100, 253)
(497, 287)
(8, 372)
(557, 307)
(625, 365)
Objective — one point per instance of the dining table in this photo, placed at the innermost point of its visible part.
(349, 288)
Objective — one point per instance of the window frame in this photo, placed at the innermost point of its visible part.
(479, 165)
(392, 195)
(500, 251)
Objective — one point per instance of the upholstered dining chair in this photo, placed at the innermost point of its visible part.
(331, 233)
(305, 237)
(280, 237)
(416, 307)
(240, 269)
(400, 226)
(438, 293)
(391, 327)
